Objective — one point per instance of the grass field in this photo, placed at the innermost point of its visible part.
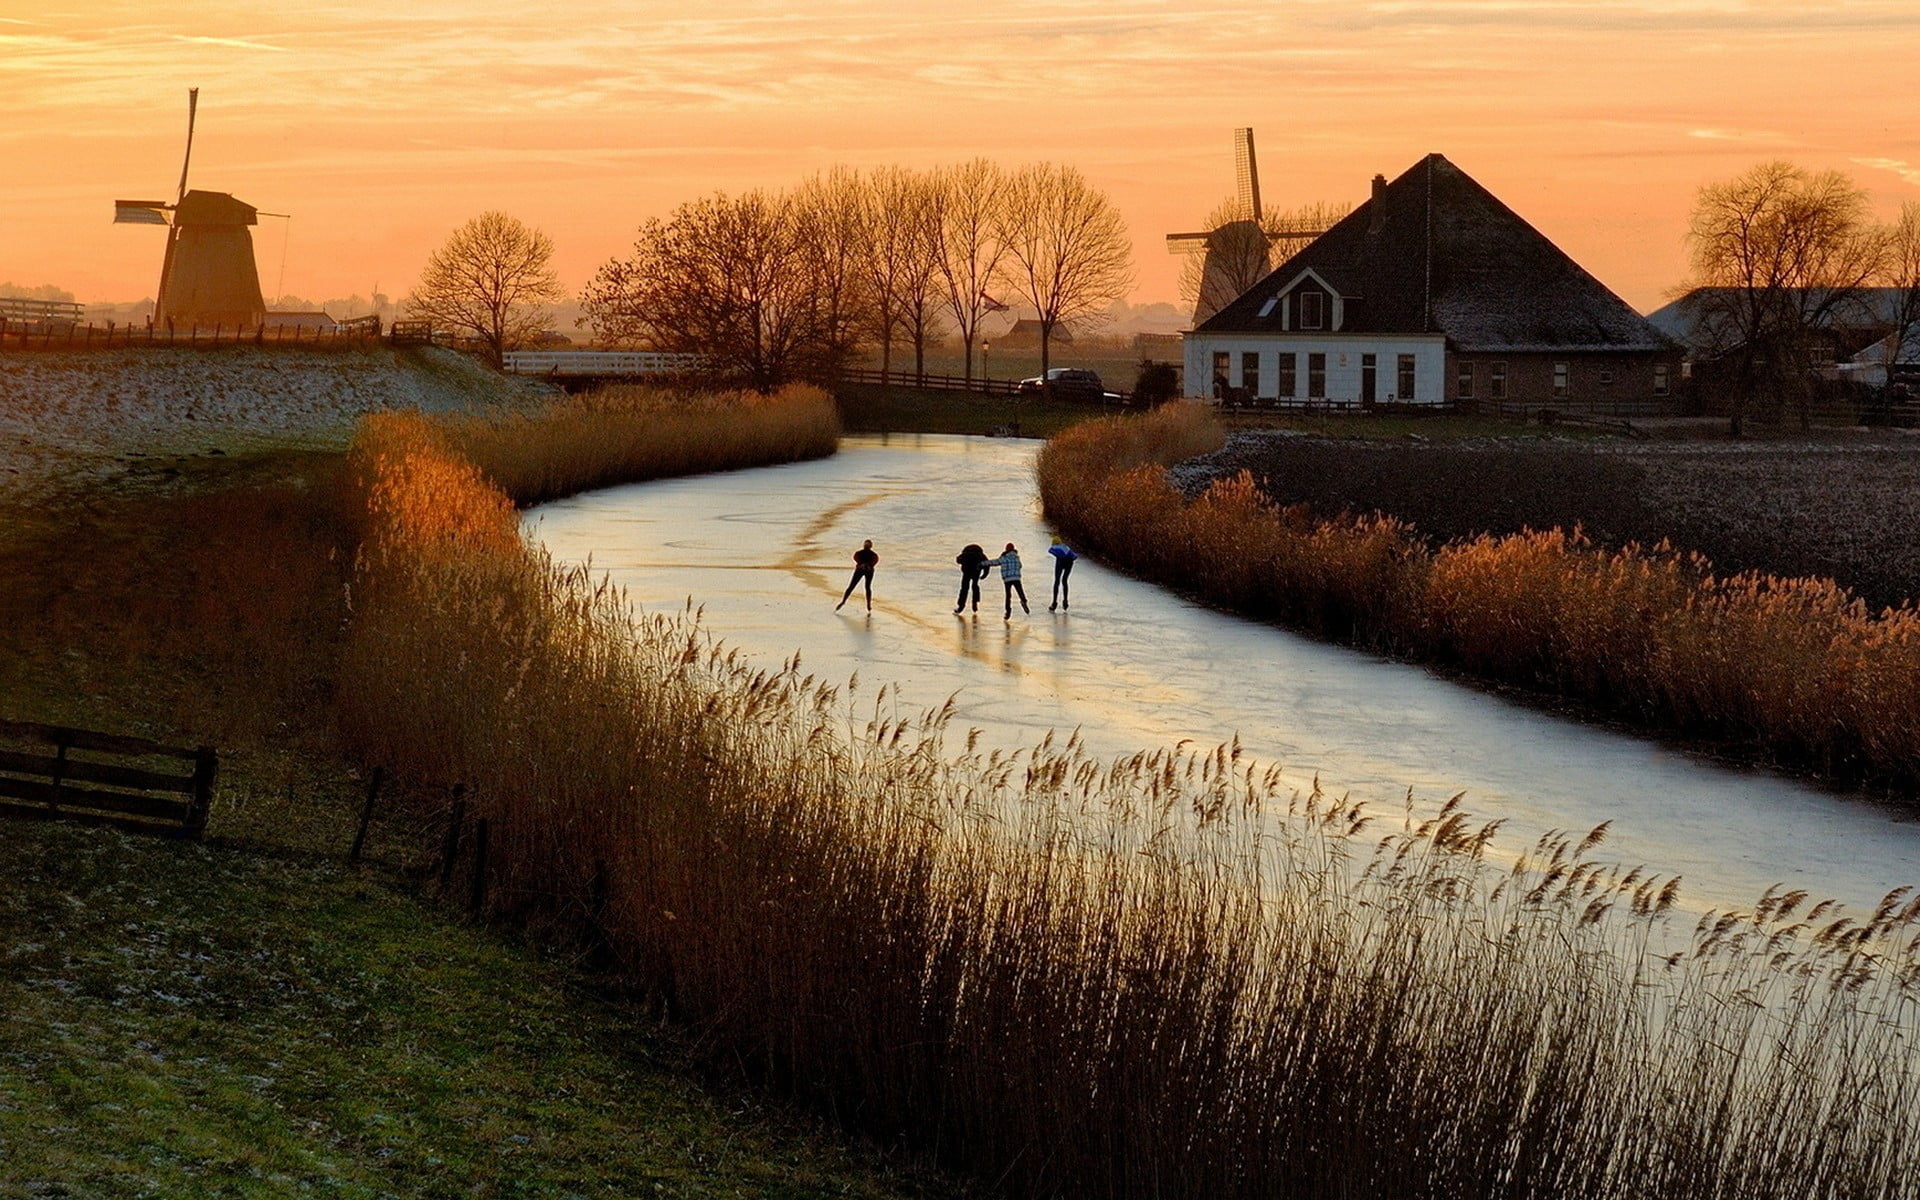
(1838, 504)
(874, 408)
(186, 1020)
(247, 1017)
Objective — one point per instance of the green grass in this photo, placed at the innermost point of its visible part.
(895, 408)
(248, 1017)
(177, 1019)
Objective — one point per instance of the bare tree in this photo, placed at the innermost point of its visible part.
(1068, 254)
(900, 215)
(971, 241)
(827, 212)
(1783, 252)
(1240, 251)
(736, 281)
(1902, 273)
(491, 280)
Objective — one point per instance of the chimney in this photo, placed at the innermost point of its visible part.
(1377, 207)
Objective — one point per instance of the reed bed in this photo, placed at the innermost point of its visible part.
(627, 434)
(1794, 671)
(1158, 976)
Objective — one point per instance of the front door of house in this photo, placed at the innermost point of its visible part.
(1369, 380)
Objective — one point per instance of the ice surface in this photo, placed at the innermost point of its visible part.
(767, 553)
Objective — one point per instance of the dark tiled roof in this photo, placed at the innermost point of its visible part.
(1694, 320)
(1448, 257)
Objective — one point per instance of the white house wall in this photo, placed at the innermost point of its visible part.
(1343, 364)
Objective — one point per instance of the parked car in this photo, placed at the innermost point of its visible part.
(1069, 383)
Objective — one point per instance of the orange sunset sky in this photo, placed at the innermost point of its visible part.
(382, 125)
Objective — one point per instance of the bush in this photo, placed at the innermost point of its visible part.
(1156, 384)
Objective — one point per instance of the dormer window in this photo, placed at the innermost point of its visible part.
(1313, 310)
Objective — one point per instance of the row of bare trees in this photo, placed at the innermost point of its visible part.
(1784, 258)
(774, 286)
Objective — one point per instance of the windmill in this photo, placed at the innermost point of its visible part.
(208, 277)
(1238, 252)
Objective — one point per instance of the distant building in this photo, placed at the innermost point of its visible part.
(1025, 335)
(1855, 320)
(1158, 347)
(1434, 292)
(307, 320)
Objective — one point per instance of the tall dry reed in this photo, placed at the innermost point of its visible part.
(1157, 976)
(1794, 671)
(629, 433)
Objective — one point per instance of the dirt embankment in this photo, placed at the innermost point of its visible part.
(79, 417)
(1845, 507)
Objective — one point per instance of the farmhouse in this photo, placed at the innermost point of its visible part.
(1434, 292)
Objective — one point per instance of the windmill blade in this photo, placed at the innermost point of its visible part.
(1187, 243)
(193, 106)
(140, 212)
(1246, 172)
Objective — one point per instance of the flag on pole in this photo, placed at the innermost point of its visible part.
(139, 212)
(989, 304)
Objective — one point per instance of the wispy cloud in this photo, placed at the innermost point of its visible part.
(1907, 171)
(238, 43)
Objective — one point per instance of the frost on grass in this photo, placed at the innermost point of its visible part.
(71, 416)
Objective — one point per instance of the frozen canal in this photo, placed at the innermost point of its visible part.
(767, 553)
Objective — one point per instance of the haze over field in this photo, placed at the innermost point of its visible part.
(380, 127)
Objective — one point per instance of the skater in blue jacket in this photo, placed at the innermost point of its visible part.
(1063, 560)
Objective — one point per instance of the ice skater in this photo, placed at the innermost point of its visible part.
(1063, 559)
(1009, 564)
(973, 569)
(864, 561)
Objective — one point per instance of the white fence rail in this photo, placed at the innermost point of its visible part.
(597, 363)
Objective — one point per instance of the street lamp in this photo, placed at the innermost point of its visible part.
(986, 376)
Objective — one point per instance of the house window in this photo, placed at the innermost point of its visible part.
(1250, 371)
(1288, 384)
(1317, 376)
(1562, 380)
(1463, 382)
(1606, 378)
(1497, 380)
(1220, 360)
(1313, 314)
(1406, 377)
(1660, 384)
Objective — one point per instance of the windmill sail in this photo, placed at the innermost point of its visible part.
(1246, 172)
(140, 212)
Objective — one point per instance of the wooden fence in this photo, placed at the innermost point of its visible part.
(936, 383)
(99, 778)
(16, 335)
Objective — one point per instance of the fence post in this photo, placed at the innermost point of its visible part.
(455, 819)
(366, 815)
(59, 774)
(477, 896)
(205, 765)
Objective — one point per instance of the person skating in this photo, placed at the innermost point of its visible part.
(973, 569)
(1009, 564)
(1063, 559)
(864, 561)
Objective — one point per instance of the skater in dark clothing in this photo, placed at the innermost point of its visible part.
(1009, 564)
(973, 569)
(864, 561)
(1063, 559)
